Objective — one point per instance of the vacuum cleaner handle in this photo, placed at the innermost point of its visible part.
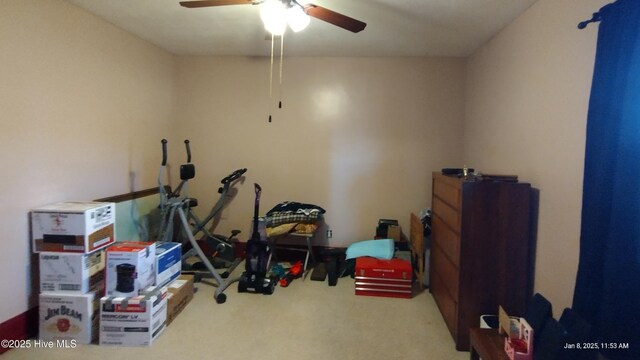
(256, 212)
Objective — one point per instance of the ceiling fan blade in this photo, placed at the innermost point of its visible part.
(205, 3)
(334, 18)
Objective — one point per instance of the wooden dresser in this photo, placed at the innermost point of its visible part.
(481, 252)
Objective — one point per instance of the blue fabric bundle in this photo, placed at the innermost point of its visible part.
(380, 248)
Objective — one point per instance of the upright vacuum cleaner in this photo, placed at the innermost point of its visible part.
(255, 279)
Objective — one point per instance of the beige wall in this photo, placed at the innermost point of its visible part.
(527, 101)
(83, 104)
(357, 136)
(86, 104)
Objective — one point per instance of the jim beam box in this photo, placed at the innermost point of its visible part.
(69, 317)
(81, 227)
(133, 321)
(72, 272)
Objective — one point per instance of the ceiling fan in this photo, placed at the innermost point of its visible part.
(312, 10)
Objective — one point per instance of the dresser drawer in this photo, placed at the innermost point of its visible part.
(446, 270)
(447, 189)
(447, 214)
(446, 239)
(448, 307)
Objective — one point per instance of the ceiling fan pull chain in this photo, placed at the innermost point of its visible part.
(281, 61)
(271, 78)
(271, 70)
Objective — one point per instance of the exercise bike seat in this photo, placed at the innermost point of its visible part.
(187, 171)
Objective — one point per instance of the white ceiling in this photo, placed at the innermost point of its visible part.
(394, 27)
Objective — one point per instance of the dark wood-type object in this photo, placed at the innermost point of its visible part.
(480, 252)
(487, 344)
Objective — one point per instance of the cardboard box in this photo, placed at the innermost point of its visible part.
(168, 262)
(133, 321)
(69, 316)
(394, 232)
(130, 267)
(388, 278)
(518, 344)
(75, 272)
(180, 294)
(82, 227)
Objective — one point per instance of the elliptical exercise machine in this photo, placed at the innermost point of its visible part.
(223, 247)
(254, 278)
(172, 203)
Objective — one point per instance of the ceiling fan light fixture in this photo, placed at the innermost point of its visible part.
(274, 16)
(296, 17)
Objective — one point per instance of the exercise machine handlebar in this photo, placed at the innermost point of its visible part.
(234, 176)
(186, 144)
(226, 182)
(164, 152)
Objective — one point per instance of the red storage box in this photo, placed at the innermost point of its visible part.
(388, 278)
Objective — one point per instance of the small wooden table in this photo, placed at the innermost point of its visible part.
(487, 344)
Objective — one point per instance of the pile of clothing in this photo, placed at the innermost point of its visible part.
(293, 217)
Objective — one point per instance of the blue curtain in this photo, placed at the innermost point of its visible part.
(607, 289)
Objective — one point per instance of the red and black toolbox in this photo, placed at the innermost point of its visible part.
(388, 278)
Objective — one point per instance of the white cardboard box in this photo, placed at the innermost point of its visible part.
(168, 262)
(82, 227)
(133, 321)
(75, 272)
(179, 293)
(130, 267)
(68, 316)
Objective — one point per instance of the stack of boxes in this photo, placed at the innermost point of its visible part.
(70, 238)
(131, 315)
(94, 288)
(137, 302)
(144, 292)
